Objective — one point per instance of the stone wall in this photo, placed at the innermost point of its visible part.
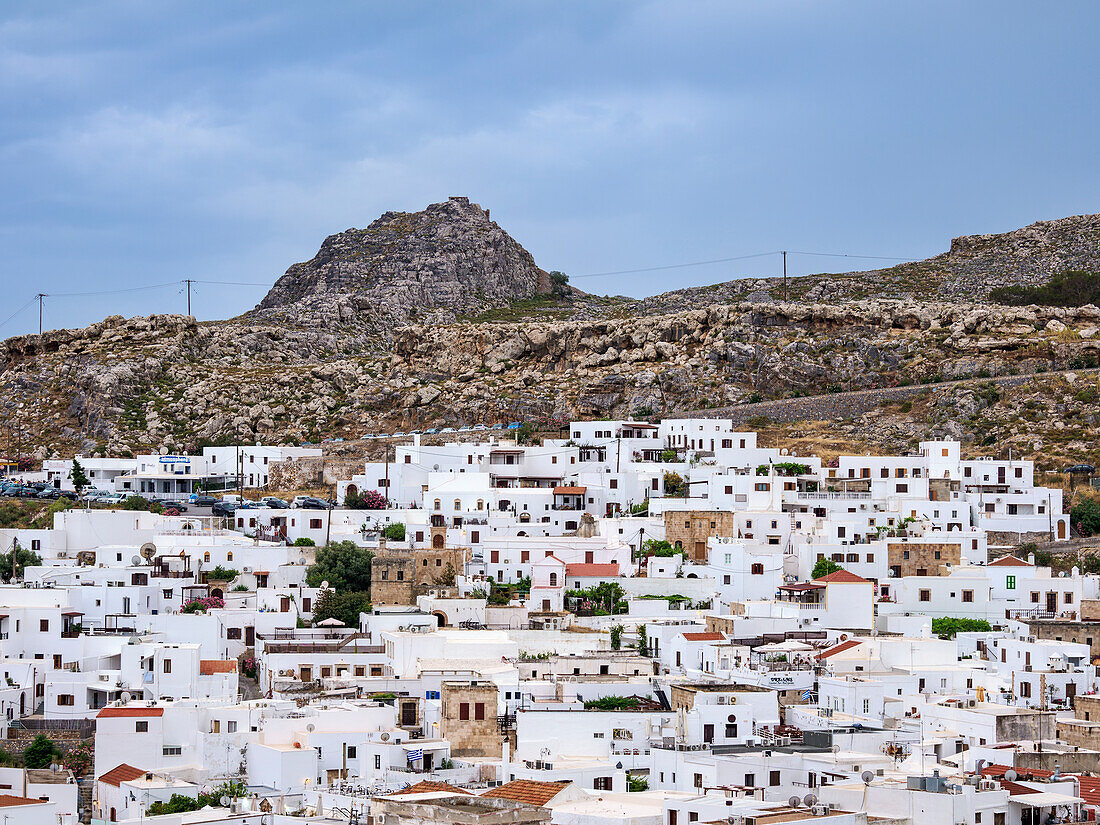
(471, 736)
(690, 530)
(922, 559)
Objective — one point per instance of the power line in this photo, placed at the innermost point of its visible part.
(673, 266)
(12, 316)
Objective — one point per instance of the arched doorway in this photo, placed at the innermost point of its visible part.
(216, 593)
(352, 490)
(441, 617)
(437, 541)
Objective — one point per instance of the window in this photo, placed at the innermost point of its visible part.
(231, 726)
(315, 524)
(968, 596)
(65, 699)
(233, 633)
(926, 595)
(479, 711)
(1035, 596)
(44, 625)
(378, 762)
(697, 780)
(1067, 598)
(1010, 582)
(172, 750)
(464, 711)
(750, 780)
(773, 778)
(167, 665)
(141, 727)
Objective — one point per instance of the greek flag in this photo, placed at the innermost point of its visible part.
(416, 754)
(806, 694)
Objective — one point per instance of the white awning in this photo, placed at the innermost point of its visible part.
(1044, 799)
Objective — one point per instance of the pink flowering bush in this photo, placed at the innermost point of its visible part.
(202, 605)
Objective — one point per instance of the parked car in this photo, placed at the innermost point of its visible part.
(448, 430)
(223, 508)
(113, 498)
(276, 503)
(497, 426)
(173, 504)
(312, 503)
(204, 501)
(49, 492)
(297, 500)
(1081, 469)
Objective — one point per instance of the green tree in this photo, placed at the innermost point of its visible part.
(141, 503)
(394, 532)
(344, 565)
(636, 784)
(1085, 515)
(23, 559)
(559, 282)
(41, 753)
(222, 574)
(345, 606)
(616, 636)
(824, 567)
(675, 486)
(643, 641)
(947, 626)
(80, 480)
(302, 541)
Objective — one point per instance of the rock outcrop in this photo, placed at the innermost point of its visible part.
(447, 260)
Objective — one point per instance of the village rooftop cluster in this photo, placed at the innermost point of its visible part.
(635, 622)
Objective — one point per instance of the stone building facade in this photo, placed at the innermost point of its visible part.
(469, 718)
(690, 529)
(400, 574)
(912, 559)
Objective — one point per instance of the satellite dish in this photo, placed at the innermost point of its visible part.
(148, 550)
(126, 697)
(225, 800)
(324, 584)
(385, 737)
(311, 727)
(1011, 775)
(868, 777)
(794, 801)
(809, 800)
(135, 561)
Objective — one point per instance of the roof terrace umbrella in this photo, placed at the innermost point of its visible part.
(332, 622)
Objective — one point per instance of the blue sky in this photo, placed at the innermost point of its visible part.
(143, 143)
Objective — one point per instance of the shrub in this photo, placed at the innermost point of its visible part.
(366, 500)
(23, 559)
(304, 542)
(1072, 288)
(202, 605)
(636, 784)
(223, 574)
(394, 532)
(824, 567)
(947, 626)
(345, 606)
(41, 753)
(613, 703)
(675, 486)
(616, 636)
(1085, 516)
(344, 565)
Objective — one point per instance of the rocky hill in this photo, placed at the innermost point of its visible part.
(306, 365)
(446, 260)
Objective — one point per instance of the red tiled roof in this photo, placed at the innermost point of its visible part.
(114, 713)
(208, 667)
(1021, 773)
(428, 786)
(704, 637)
(592, 569)
(9, 801)
(1090, 789)
(123, 773)
(843, 576)
(801, 586)
(840, 648)
(1009, 561)
(528, 791)
(570, 491)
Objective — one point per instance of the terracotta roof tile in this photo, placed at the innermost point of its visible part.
(428, 786)
(528, 791)
(1009, 561)
(9, 801)
(840, 648)
(843, 576)
(122, 773)
(570, 491)
(115, 713)
(208, 667)
(610, 570)
(704, 637)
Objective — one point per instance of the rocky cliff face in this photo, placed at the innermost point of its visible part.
(448, 260)
(169, 383)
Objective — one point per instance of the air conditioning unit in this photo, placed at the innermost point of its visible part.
(987, 785)
(247, 569)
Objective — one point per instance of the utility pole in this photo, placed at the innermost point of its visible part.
(40, 296)
(188, 281)
(784, 275)
(387, 474)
